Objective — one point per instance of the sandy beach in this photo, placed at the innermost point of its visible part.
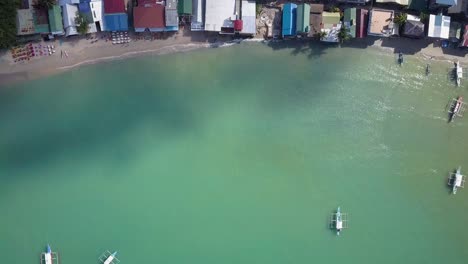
(83, 51)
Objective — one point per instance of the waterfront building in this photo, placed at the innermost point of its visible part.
(381, 23)
(198, 9)
(439, 26)
(97, 10)
(248, 18)
(349, 21)
(303, 19)
(289, 20)
(362, 16)
(69, 12)
(55, 20)
(331, 25)
(455, 32)
(171, 16)
(220, 16)
(85, 9)
(413, 27)
(115, 16)
(184, 7)
(315, 19)
(148, 16)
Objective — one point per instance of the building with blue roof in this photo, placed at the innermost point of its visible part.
(116, 22)
(289, 20)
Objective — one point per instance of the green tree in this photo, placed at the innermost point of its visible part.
(343, 34)
(82, 23)
(258, 9)
(44, 4)
(8, 23)
(400, 19)
(423, 16)
(320, 35)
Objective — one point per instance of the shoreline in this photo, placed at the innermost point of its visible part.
(81, 52)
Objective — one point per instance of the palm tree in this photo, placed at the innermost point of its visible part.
(343, 34)
(81, 22)
(44, 4)
(400, 19)
(320, 35)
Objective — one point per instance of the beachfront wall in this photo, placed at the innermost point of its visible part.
(55, 20)
(197, 23)
(184, 7)
(349, 21)
(289, 20)
(148, 18)
(358, 2)
(439, 26)
(116, 22)
(362, 22)
(303, 19)
(381, 23)
(249, 22)
(172, 17)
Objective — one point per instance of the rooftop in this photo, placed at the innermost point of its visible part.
(349, 20)
(114, 6)
(316, 8)
(218, 14)
(330, 20)
(380, 22)
(439, 26)
(148, 17)
(414, 28)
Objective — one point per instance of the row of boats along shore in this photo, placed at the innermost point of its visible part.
(456, 106)
(51, 257)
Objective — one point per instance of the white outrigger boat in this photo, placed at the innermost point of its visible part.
(339, 221)
(109, 258)
(49, 257)
(457, 180)
(459, 70)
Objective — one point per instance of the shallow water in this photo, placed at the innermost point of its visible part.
(235, 155)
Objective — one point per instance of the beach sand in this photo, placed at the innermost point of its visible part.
(83, 51)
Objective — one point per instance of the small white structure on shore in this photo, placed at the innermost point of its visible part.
(439, 26)
(457, 180)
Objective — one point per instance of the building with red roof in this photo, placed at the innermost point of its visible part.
(114, 6)
(148, 18)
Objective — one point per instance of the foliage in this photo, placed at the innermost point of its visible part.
(343, 34)
(258, 9)
(44, 4)
(81, 22)
(8, 23)
(335, 9)
(320, 35)
(400, 19)
(424, 16)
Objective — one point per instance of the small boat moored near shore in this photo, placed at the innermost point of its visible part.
(457, 107)
(459, 73)
(49, 257)
(456, 180)
(109, 258)
(339, 221)
(400, 58)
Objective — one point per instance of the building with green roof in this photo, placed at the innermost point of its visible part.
(349, 21)
(303, 19)
(55, 20)
(184, 7)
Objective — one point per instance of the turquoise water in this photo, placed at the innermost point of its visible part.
(234, 155)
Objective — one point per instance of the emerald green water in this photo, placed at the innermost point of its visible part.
(234, 155)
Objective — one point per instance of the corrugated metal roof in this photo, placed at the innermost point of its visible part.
(116, 22)
(69, 14)
(439, 26)
(248, 17)
(41, 21)
(172, 17)
(446, 2)
(114, 6)
(55, 20)
(289, 19)
(303, 18)
(414, 28)
(24, 22)
(148, 17)
(218, 14)
(185, 7)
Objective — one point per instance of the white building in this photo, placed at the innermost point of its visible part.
(69, 14)
(97, 9)
(248, 16)
(220, 15)
(197, 16)
(439, 26)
